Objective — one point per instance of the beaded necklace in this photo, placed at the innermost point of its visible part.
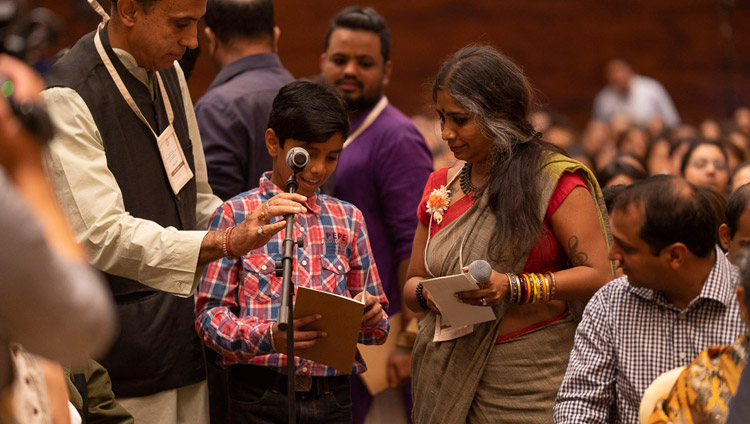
(465, 182)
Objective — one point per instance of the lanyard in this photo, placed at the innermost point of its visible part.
(371, 117)
(124, 91)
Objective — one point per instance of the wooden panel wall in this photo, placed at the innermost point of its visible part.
(561, 45)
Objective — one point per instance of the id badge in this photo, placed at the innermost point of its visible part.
(177, 167)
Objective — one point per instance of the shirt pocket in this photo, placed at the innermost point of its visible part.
(333, 273)
(259, 281)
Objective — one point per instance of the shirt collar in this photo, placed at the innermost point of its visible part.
(131, 65)
(362, 116)
(268, 189)
(714, 288)
(244, 64)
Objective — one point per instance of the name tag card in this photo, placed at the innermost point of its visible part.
(175, 163)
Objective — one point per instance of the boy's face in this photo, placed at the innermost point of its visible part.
(323, 159)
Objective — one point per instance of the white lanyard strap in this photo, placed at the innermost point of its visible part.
(99, 9)
(124, 91)
(371, 117)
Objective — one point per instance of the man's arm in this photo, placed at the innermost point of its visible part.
(587, 394)
(118, 243)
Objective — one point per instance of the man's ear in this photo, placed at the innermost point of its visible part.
(127, 10)
(276, 36)
(211, 37)
(675, 255)
(724, 237)
(387, 70)
(272, 143)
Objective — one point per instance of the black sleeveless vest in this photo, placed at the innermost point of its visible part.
(157, 348)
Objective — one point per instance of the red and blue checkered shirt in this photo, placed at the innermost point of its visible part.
(239, 299)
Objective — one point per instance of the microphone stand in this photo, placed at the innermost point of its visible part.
(285, 319)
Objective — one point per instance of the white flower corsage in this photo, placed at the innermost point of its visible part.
(437, 203)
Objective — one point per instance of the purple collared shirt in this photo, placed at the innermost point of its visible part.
(383, 173)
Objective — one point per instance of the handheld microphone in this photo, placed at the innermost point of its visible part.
(480, 270)
(297, 158)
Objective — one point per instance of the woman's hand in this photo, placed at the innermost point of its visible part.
(430, 303)
(493, 292)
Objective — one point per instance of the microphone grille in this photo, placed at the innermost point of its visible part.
(481, 271)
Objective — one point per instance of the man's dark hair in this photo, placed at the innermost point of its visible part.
(674, 211)
(309, 112)
(619, 166)
(362, 19)
(738, 203)
(145, 4)
(240, 20)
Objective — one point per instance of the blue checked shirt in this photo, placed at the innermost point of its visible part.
(239, 299)
(631, 335)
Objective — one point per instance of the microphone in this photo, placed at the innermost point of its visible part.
(480, 270)
(297, 158)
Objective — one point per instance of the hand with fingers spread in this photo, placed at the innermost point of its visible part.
(257, 229)
(373, 310)
(493, 292)
(303, 339)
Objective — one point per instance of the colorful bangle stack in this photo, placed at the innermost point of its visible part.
(420, 297)
(531, 287)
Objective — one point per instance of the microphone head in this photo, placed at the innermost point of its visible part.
(297, 158)
(480, 270)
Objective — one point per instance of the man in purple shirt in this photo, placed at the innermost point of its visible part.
(233, 114)
(385, 162)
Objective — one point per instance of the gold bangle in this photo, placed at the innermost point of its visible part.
(554, 286)
(224, 239)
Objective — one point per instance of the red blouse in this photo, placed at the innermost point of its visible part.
(546, 255)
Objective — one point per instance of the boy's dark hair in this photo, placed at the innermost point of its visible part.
(674, 211)
(308, 112)
(363, 19)
(246, 20)
(738, 203)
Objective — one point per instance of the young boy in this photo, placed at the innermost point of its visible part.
(239, 298)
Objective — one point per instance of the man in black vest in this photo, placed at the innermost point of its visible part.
(129, 169)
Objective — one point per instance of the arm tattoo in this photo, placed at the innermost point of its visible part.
(576, 258)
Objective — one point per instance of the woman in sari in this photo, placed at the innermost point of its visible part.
(536, 216)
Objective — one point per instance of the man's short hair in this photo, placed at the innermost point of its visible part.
(145, 4)
(674, 211)
(240, 19)
(737, 205)
(310, 112)
(362, 19)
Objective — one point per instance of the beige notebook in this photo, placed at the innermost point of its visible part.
(342, 320)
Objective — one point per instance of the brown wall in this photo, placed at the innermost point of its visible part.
(560, 44)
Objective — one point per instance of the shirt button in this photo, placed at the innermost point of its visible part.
(263, 267)
(339, 267)
(683, 355)
(304, 263)
(304, 369)
(302, 229)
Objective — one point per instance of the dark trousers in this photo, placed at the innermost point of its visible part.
(259, 395)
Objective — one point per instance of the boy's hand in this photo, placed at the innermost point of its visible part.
(373, 310)
(303, 339)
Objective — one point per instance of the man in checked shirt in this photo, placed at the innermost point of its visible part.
(677, 298)
(239, 299)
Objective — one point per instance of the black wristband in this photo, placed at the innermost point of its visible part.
(420, 297)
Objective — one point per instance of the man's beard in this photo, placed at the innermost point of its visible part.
(362, 102)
